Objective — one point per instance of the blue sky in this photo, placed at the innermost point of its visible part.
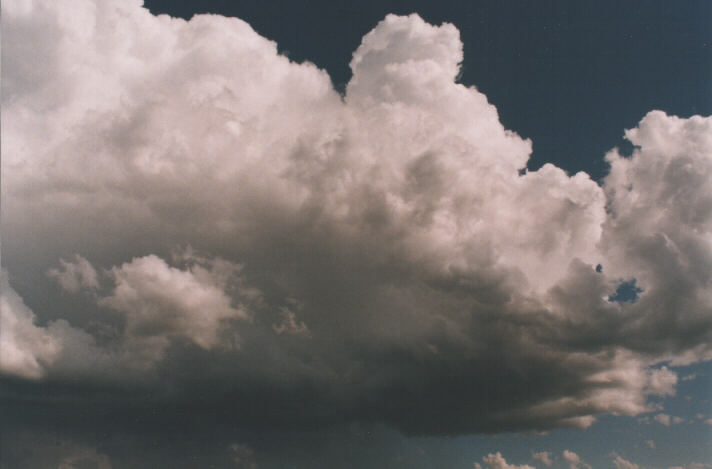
(335, 234)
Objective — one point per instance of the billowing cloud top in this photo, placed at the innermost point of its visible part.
(191, 216)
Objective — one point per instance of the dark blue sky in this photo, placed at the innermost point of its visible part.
(571, 77)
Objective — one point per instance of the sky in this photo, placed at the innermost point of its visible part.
(356, 235)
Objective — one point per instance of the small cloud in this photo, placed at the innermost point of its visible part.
(574, 460)
(667, 420)
(544, 457)
(662, 382)
(689, 377)
(650, 443)
(497, 461)
(692, 465)
(621, 463)
(74, 275)
(290, 325)
(241, 455)
(708, 422)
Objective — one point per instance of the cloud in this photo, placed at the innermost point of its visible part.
(290, 325)
(692, 465)
(496, 461)
(544, 457)
(621, 463)
(75, 275)
(667, 420)
(392, 227)
(241, 456)
(160, 301)
(650, 443)
(25, 347)
(34, 450)
(574, 460)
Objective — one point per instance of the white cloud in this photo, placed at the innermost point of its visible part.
(667, 420)
(650, 443)
(26, 348)
(544, 457)
(574, 460)
(160, 301)
(396, 217)
(662, 382)
(663, 419)
(621, 463)
(496, 461)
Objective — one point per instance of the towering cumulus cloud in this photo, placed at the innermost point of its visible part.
(192, 220)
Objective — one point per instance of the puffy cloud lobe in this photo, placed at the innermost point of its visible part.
(573, 459)
(667, 420)
(157, 302)
(621, 463)
(392, 228)
(544, 457)
(658, 230)
(497, 461)
(160, 301)
(75, 275)
(26, 348)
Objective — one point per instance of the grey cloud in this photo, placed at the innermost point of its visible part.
(377, 258)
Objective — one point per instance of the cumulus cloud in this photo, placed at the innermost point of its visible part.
(667, 420)
(545, 457)
(160, 301)
(76, 274)
(621, 463)
(574, 460)
(497, 461)
(26, 348)
(392, 227)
